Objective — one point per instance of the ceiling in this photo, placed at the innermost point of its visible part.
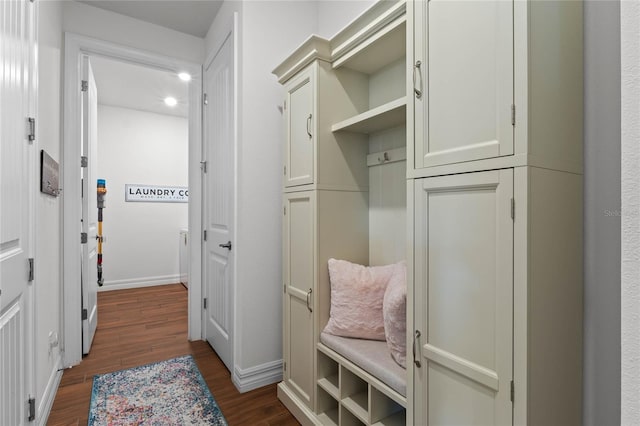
(133, 86)
(188, 16)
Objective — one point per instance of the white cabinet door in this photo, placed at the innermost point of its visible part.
(464, 299)
(464, 69)
(300, 149)
(299, 244)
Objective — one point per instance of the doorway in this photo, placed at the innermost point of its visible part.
(77, 49)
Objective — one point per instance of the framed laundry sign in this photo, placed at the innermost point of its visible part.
(155, 193)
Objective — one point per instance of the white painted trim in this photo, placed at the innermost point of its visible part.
(139, 282)
(31, 316)
(258, 376)
(75, 47)
(46, 402)
(630, 169)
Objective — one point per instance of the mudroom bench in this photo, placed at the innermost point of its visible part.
(359, 383)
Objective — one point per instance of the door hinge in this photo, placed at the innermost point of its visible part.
(513, 209)
(32, 129)
(285, 170)
(284, 210)
(31, 272)
(85, 315)
(84, 161)
(513, 114)
(203, 166)
(204, 303)
(204, 235)
(31, 403)
(84, 86)
(83, 238)
(512, 391)
(284, 366)
(285, 105)
(284, 288)
(205, 99)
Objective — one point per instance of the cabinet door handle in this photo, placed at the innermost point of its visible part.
(416, 360)
(308, 300)
(309, 126)
(416, 68)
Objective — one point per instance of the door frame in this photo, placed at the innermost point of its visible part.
(75, 47)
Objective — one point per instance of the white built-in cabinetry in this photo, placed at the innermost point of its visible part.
(495, 170)
(448, 134)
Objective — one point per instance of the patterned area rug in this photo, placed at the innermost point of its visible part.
(170, 392)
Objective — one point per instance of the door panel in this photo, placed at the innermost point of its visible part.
(466, 48)
(464, 290)
(219, 145)
(89, 207)
(299, 156)
(298, 299)
(17, 93)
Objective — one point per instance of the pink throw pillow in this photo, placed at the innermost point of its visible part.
(356, 299)
(394, 311)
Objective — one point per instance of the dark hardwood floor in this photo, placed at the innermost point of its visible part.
(142, 326)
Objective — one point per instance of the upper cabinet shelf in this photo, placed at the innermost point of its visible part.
(386, 46)
(385, 116)
(374, 39)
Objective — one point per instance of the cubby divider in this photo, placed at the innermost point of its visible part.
(328, 408)
(348, 419)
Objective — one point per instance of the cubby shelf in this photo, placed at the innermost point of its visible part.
(329, 417)
(385, 116)
(397, 419)
(357, 405)
(330, 385)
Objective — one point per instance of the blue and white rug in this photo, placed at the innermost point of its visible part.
(171, 392)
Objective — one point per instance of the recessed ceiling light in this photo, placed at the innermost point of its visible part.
(184, 76)
(170, 101)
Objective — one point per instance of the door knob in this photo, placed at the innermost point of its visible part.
(227, 246)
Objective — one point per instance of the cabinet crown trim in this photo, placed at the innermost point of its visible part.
(314, 47)
(371, 21)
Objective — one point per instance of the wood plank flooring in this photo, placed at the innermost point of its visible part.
(141, 326)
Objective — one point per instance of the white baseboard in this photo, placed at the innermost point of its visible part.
(258, 376)
(139, 282)
(46, 402)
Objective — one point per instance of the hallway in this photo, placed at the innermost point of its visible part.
(141, 326)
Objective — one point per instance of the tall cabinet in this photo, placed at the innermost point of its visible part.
(495, 176)
(448, 134)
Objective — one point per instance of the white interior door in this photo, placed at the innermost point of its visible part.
(89, 208)
(466, 54)
(219, 145)
(464, 299)
(16, 174)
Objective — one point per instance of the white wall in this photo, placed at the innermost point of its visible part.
(269, 31)
(90, 21)
(630, 291)
(334, 15)
(601, 368)
(137, 147)
(48, 289)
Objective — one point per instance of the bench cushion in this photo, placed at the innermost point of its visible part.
(372, 356)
